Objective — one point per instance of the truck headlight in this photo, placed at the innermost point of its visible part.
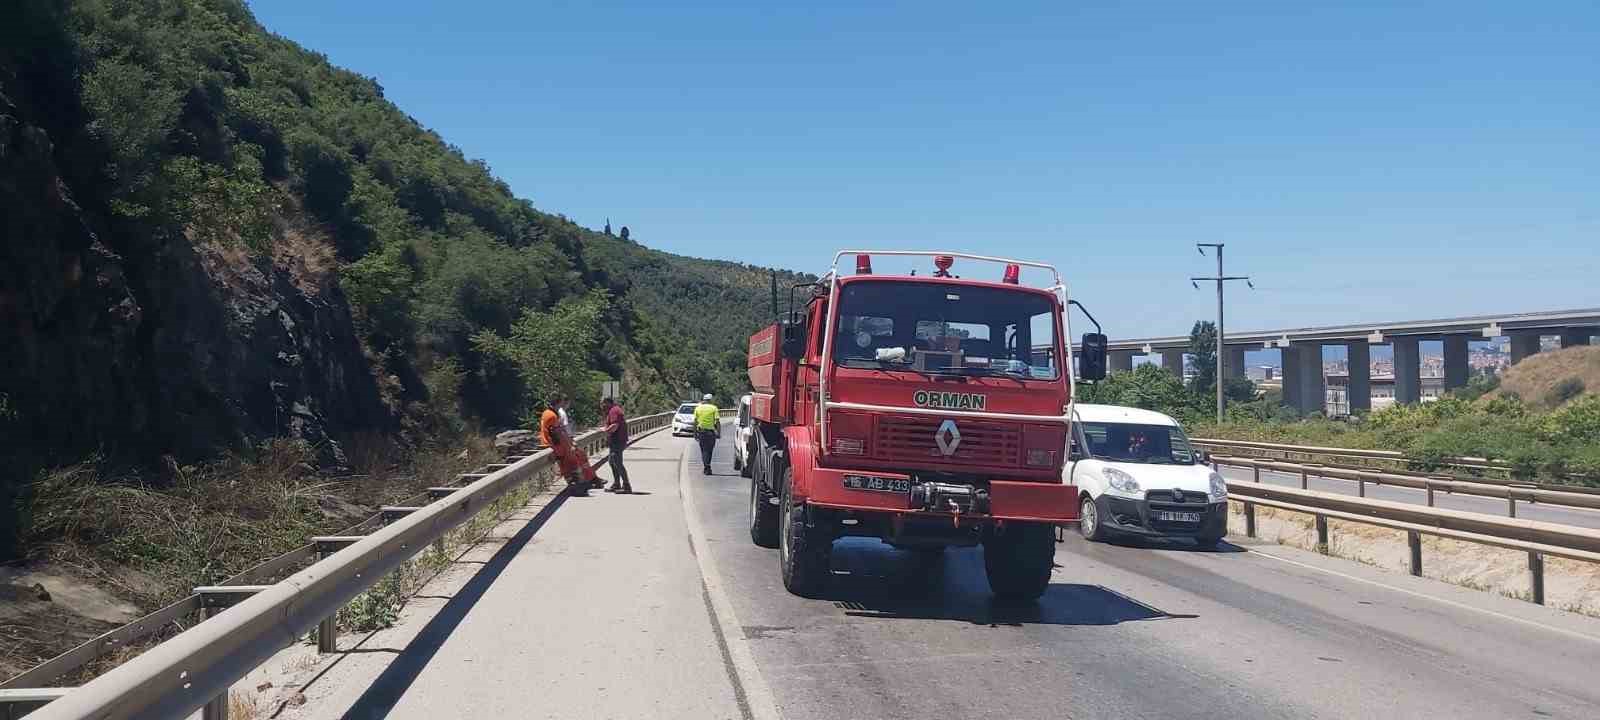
(1219, 488)
(1122, 483)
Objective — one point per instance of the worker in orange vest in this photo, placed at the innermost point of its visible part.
(573, 461)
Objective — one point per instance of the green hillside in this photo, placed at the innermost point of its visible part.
(214, 237)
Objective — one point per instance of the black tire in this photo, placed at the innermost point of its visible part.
(763, 515)
(1018, 560)
(1089, 525)
(747, 468)
(803, 550)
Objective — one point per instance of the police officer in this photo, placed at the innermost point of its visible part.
(707, 427)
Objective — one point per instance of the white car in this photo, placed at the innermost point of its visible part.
(683, 420)
(744, 438)
(1138, 475)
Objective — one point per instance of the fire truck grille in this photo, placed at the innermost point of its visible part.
(915, 439)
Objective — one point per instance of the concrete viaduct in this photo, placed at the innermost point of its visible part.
(1301, 350)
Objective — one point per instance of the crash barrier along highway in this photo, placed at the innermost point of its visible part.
(245, 620)
(1511, 492)
(1537, 539)
(1482, 470)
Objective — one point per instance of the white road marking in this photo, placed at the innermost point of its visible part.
(758, 696)
(1452, 603)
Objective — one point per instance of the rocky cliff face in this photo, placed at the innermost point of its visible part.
(138, 346)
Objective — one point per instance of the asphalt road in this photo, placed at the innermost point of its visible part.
(1140, 631)
(1470, 503)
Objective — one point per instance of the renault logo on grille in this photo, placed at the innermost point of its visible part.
(948, 437)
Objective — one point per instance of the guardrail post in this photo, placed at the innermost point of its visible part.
(1536, 575)
(1511, 504)
(217, 707)
(328, 629)
(1361, 486)
(1322, 534)
(1429, 484)
(1414, 542)
(1303, 480)
(1256, 471)
(1249, 519)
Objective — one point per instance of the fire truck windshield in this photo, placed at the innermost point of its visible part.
(943, 328)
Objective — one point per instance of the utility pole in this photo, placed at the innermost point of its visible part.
(1220, 279)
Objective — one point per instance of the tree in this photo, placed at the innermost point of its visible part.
(1147, 386)
(551, 349)
(624, 232)
(1203, 346)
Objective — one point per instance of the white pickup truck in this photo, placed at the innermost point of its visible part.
(1138, 475)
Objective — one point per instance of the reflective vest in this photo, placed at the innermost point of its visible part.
(705, 416)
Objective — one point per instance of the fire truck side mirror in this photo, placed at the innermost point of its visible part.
(794, 339)
(1092, 357)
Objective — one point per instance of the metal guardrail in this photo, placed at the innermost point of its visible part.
(1287, 452)
(1482, 469)
(1538, 539)
(244, 624)
(1510, 492)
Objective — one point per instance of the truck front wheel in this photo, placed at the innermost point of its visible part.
(803, 549)
(1019, 559)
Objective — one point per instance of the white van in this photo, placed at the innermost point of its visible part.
(1138, 475)
(744, 437)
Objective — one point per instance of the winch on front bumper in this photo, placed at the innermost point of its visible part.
(955, 499)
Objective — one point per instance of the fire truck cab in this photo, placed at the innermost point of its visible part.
(924, 410)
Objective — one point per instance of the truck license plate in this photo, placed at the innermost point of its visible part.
(877, 484)
(1171, 516)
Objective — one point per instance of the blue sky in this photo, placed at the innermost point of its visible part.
(1361, 161)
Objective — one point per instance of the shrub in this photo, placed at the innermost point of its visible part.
(1566, 389)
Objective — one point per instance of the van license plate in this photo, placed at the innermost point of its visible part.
(877, 484)
(1171, 516)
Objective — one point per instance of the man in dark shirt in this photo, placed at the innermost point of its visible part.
(617, 435)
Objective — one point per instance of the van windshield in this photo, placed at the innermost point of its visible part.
(1136, 443)
(936, 327)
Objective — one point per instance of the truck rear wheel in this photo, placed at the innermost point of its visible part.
(804, 550)
(763, 515)
(1019, 559)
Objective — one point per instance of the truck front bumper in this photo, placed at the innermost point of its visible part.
(1019, 500)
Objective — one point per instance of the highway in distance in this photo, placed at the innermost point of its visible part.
(1581, 517)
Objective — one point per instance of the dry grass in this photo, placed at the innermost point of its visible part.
(151, 538)
(1569, 584)
(1535, 378)
(304, 249)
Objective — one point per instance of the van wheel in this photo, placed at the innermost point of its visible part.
(1018, 560)
(1089, 525)
(804, 550)
(763, 516)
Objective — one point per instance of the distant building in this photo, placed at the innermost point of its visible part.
(1382, 387)
(1260, 373)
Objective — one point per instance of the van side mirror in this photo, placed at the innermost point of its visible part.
(1092, 357)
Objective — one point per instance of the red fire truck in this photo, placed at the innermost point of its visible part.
(925, 410)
